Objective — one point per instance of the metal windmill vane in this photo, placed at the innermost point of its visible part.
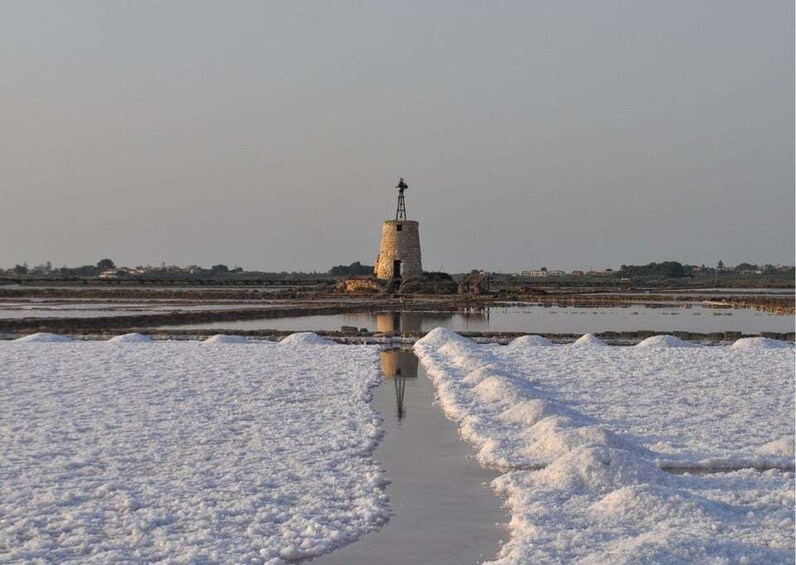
(400, 214)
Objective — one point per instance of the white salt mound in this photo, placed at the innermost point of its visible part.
(443, 336)
(43, 338)
(589, 340)
(599, 468)
(223, 338)
(529, 341)
(760, 343)
(663, 341)
(130, 338)
(305, 338)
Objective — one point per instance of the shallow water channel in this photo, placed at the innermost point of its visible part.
(442, 508)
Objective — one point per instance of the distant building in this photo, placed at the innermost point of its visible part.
(543, 273)
(115, 273)
(605, 273)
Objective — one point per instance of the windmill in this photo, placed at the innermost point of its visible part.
(400, 214)
(399, 253)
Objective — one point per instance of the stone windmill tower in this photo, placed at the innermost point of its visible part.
(399, 255)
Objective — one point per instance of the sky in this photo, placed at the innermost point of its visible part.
(565, 134)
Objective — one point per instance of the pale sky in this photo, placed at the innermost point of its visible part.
(270, 135)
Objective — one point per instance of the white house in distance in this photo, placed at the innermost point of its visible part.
(543, 273)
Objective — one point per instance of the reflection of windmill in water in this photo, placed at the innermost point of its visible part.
(400, 390)
(398, 366)
(400, 322)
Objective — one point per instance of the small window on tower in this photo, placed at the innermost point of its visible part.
(399, 227)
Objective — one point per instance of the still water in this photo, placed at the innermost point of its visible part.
(531, 319)
(442, 508)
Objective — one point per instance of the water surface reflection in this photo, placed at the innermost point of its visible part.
(398, 365)
(666, 317)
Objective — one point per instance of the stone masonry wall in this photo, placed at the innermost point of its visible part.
(403, 245)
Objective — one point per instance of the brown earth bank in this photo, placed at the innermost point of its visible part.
(785, 304)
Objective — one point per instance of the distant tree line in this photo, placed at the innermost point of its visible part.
(666, 269)
(752, 269)
(675, 270)
(662, 270)
(48, 270)
(88, 271)
(355, 269)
